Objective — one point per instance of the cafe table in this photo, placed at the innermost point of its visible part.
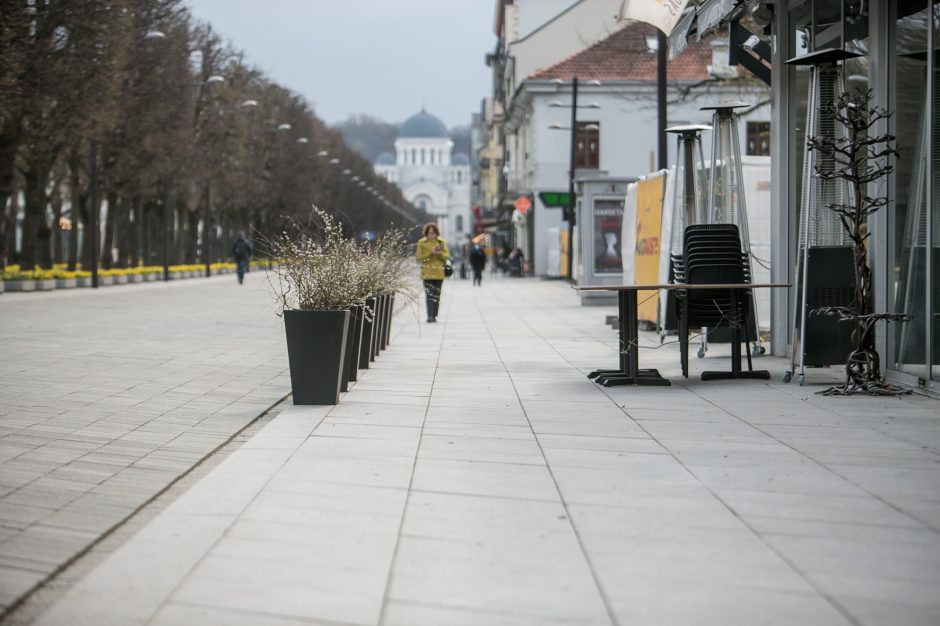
(629, 372)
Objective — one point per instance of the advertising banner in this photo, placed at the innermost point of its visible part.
(608, 216)
(649, 215)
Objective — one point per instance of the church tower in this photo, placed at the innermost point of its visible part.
(430, 176)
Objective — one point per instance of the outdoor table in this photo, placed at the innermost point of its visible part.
(629, 372)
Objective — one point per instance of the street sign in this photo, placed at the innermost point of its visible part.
(554, 198)
(522, 204)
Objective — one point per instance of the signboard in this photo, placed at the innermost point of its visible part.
(554, 198)
(607, 217)
(649, 219)
(522, 204)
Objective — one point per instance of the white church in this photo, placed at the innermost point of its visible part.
(430, 176)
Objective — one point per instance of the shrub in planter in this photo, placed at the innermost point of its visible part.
(318, 277)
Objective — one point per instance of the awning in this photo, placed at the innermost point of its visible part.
(662, 15)
(699, 20)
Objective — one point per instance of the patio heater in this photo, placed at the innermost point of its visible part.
(688, 207)
(825, 267)
(912, 297)
(726, 201)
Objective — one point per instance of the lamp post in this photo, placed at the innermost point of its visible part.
(206, 215)
(571, 167)
(95, 226)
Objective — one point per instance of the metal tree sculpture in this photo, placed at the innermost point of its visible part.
(860, 160)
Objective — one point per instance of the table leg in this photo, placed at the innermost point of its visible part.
(629, 335)
(736, 372)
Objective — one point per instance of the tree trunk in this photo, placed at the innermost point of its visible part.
(57, 253)
(140, 232)
(35, 229)
(193, 239)
(107, 256)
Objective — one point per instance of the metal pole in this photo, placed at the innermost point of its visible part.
(94, 214)
(661, 99)
(166, 230)
(205, 231)
(571, 201)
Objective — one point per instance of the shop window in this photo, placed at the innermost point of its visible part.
(758, 138)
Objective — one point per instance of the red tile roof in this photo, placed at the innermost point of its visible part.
(624, 56)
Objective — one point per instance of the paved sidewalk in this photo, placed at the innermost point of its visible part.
(475, 477)
(107, 397)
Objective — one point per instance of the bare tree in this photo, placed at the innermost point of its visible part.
(861, 160)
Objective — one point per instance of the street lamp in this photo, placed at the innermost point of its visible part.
(573, 128)
(206, 214)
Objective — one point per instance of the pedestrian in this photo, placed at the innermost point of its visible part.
(477, 262)
(241, 250)
(432, 255)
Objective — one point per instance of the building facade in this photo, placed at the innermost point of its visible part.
(615, 130)
(430, 175)
(895, 46)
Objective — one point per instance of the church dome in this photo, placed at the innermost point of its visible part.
(421, 125)
(459, 159)
(386, 158)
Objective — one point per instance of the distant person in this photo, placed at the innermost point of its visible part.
(432, 254)
(477, 263)
(241, 251)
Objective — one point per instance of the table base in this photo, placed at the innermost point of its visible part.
(645, 377)
(755, 374)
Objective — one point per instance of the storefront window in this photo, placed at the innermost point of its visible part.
(933, 288)
(908, 239)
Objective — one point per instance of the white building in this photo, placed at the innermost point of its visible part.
(616, 120)
(430, 176)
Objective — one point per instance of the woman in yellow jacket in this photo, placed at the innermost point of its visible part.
(432, 255)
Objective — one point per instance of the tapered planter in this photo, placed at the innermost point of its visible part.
(386, 318)
(379, 324)
(376, 328)
(316, 342)
(352, 357)
(351, 353)
(368, 328)
(388, 323)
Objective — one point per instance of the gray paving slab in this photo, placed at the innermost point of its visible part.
(107, 397)
(498, 486)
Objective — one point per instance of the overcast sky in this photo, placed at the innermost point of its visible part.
(381, 57)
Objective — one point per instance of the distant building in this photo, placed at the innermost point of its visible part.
(616, 126)
(430, 176)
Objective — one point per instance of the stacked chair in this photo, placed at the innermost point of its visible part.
(712, 254)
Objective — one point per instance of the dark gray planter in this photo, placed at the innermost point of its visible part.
(368, 327)
(386, 317)
(355, 324)
(388, 322)
(351, 356)
(316, 342)
(376, 328)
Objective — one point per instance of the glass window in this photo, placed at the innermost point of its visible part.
(908, 222)
(458, 223)
(587, 139)
(758, 138)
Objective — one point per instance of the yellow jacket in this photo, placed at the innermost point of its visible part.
(432, 263)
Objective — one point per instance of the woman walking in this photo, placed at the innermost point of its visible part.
(432, 254)
(477, 261)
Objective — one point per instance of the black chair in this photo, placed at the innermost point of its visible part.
(712, 255)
